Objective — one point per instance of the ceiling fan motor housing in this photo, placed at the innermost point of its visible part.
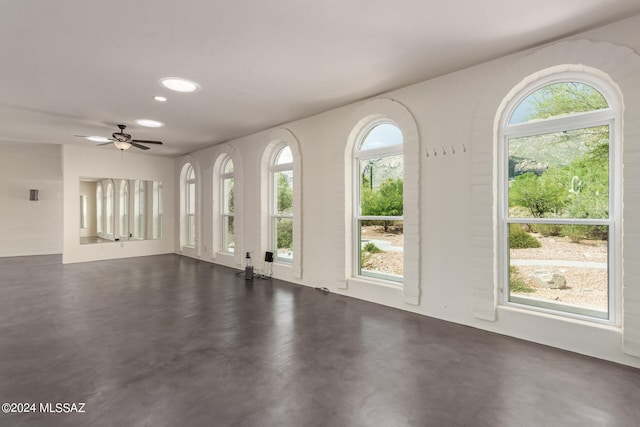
(122, 137)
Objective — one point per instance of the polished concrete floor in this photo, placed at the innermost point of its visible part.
(171, 341)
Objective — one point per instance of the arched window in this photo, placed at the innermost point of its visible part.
(109, 209)
(379, 202)
(227, 206)
(139, 204)
(157, 210)
(99, 209)
(190, 207)
(559, 204)
(281, 204)
(124, 209)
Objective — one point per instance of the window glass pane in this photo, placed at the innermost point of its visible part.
(99, 209)
(228, 196)
(560, 174)
(228, 234)
(83, 211)
(561, 267)
(284, 156)
(381, 186)
(139, 210)
(283, 183)
(157, 210)
(558, 99)
(191, 198)
(228, 167)
(191, 174)
(124, 209)
(191, 230)
(381, 249)
(283, 230)
(383, 135)
(110, 208)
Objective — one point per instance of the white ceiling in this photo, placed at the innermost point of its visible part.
(80, 67)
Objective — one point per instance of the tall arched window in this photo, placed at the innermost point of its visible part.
(124, 209)
(109, 209)
(99, 209)
(559, 204)
(227, 206)
(139, 207)
(157, 210)
(190, 206)
(281, 204)
(379, 202)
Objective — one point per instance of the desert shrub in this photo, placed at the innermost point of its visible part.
(365, 254)
(364, 258)
(520, 239)
(585, 232)
(546, 229)
(517, 282)
(371, 248)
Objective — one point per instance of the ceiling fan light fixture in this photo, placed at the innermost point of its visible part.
(149, 123)
(179, 84)
(122, 145)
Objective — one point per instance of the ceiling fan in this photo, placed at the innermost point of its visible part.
(121, 140)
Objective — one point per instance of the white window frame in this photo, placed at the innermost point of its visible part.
(274, 216)
(610, 117)
(225, 214)
(359, 155)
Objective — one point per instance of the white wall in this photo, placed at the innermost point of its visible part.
(30, 227)
(453, 112)
(78, 162)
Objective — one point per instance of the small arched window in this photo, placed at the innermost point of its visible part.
(157, 210)
(99, 209)
(124, 209)
(379, 202)
(227, 212)
(281, 204)
(109, 209)
(190, 206)
(559, 206)
(138, 210)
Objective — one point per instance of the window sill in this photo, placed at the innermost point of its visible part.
(565, 317)
(370, 281)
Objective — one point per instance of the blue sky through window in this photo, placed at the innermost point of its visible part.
(383, 135)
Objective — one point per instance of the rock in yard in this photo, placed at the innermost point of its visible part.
(548, 279)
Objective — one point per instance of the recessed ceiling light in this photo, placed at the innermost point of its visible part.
(160, 98)
(98, 139)
(149, 123)
(179, 85)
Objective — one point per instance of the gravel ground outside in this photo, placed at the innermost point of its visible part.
(385, 262)
(586, 287)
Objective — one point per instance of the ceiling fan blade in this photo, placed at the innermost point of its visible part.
(146, 142)
(109, 140)
(104, 143)
(142, 147)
